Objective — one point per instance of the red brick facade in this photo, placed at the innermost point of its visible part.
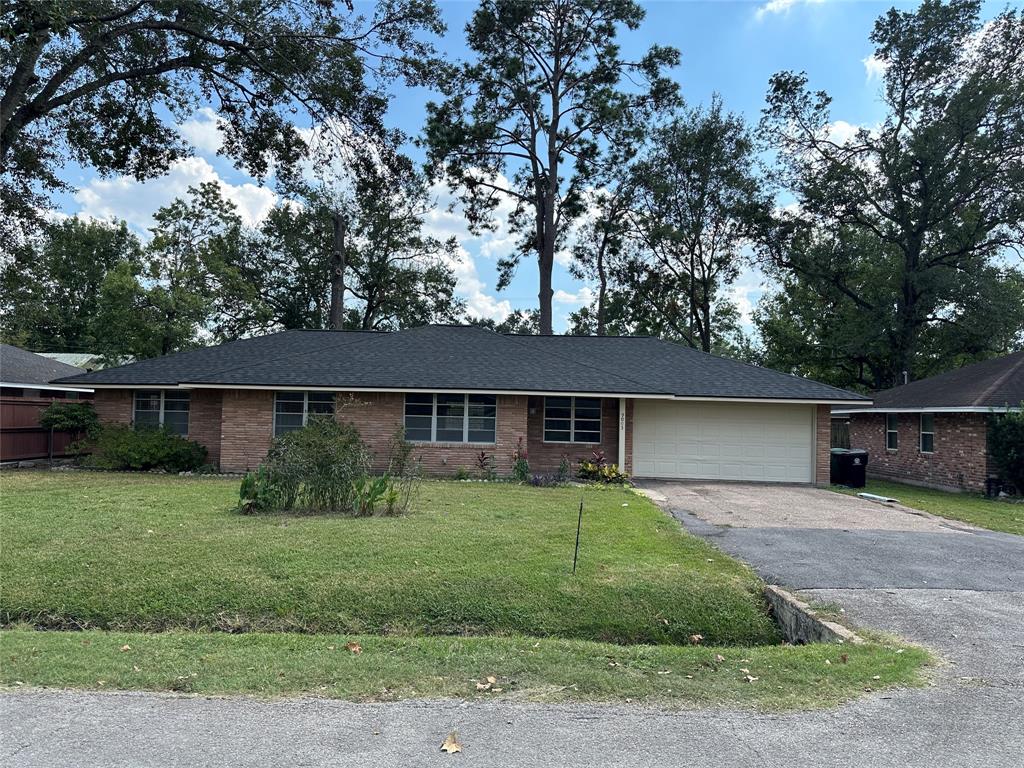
(960, 459)
(236, 426)
(546, 457)
(822, 444)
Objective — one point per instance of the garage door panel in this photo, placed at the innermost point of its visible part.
(723, 441)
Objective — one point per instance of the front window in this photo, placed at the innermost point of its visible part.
(450, 418)
(927, 433)
(892, 435)
(293, 409)
(167, 408)
(572, 420)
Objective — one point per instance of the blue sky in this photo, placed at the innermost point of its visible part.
(729, 47)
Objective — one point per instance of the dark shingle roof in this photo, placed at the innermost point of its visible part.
(17, 366)
(996, 383)
(467, 357)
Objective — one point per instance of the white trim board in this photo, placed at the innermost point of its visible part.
(61, 387)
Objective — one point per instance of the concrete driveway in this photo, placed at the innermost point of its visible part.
(970, 717)
(811, 538)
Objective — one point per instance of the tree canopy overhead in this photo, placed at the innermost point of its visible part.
(95, 81)
(900, 252)
(526, 118)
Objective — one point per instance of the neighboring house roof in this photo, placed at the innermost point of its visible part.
(85, 360)
(460, 358)
(19, 368)
(996, 383)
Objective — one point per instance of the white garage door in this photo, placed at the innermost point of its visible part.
(723, 441)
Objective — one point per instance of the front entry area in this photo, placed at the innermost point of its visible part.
(757, 442)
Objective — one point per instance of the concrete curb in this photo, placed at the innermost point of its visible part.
(800, 624)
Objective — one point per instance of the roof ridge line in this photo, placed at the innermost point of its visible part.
(585, 365)
(998, 382)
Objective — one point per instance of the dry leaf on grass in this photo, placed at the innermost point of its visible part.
(126, 647)
(696, 639)
(750, 679)
(354, 647)
(719, 658)
(451, 745)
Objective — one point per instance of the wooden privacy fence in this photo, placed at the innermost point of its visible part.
(21, 437)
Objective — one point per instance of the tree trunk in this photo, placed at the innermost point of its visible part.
(602, 292)
(336, 319)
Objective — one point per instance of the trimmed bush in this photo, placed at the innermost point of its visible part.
(1006, 442)
(598, 470)
(78, 418)
(120, 447)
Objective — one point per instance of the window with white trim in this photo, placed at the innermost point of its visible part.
(450, 418)
(167, 408)
(293, 409)
(572, 420)
(892, 435)
(927, 433)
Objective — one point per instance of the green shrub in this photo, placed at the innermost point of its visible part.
(121, 447)
(1006, 443)
(399, 453)
(79, 418)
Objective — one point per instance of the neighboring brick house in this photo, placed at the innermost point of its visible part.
(934, 432)
(656, 409)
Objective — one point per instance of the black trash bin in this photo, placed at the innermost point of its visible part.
(854, 465)
(835, 475)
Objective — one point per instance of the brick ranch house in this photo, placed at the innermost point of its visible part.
(934, 432)
(655, 408)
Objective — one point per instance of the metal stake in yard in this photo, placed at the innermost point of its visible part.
(579, 524)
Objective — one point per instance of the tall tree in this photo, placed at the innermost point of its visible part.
(395, 275)
(696, 209)
(892, 225)
(90, 80)
(526, 118)
(50, 285)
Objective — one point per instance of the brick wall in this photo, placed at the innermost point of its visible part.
(822, 444)
(113, 405)
(545, 457)
(377, 415)
(204, 421)
(246, 428)
(960, 460)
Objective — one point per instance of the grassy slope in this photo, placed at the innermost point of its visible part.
(967, 507)
(396, 668)
(150, 553)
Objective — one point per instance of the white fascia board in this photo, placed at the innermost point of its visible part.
(942, 409)
(552, 393)
(61, 387)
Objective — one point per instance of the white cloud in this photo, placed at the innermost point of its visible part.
(584, 295)
(777, 7)
(135, 201)
(203, 131)
(841, 131)
(874, 67)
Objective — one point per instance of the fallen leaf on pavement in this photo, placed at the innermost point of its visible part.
(451, 745)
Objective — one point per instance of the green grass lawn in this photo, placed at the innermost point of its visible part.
(475, 581)
(150, 553)
(970, 508)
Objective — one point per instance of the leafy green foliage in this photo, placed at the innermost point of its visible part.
(895, 256)
(92, 80)
(1006, 443)
(320, 468)
(78, 418)
(597, 469)
(55, 288)
(520, 463)
(121, 447)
